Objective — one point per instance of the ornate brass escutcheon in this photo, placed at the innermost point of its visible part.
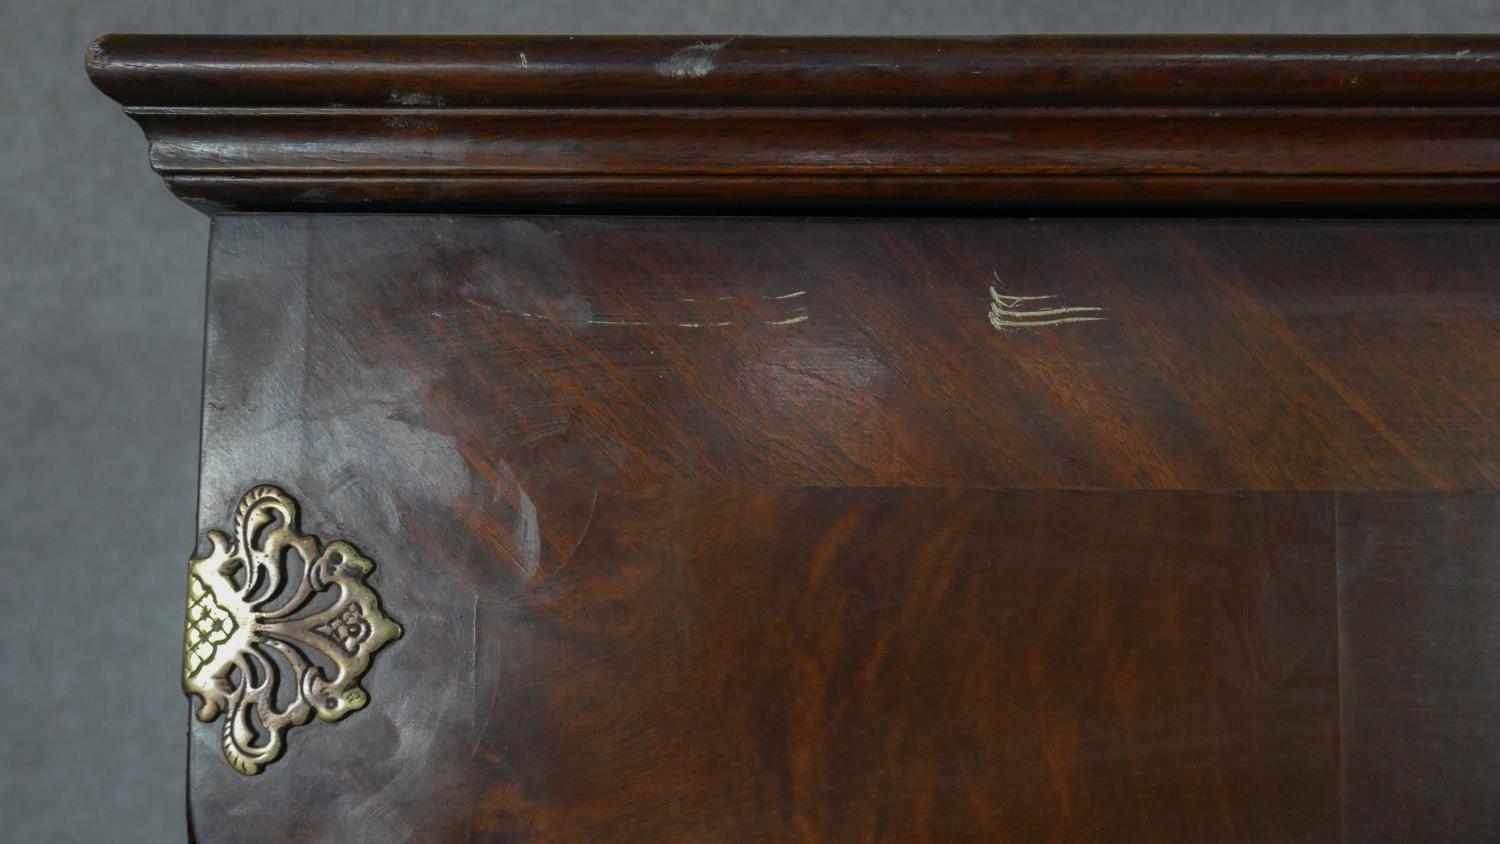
(270, 649)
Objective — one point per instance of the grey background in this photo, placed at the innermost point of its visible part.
(101, 298)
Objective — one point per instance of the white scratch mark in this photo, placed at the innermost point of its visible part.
(787, 295)
(416, 98)
(694, 61)
(524, 63)
(704, 324)
(1003, 323)
(1006, 312)
(401, 121)
(1051, 312)
(793, 321)
(546, 318)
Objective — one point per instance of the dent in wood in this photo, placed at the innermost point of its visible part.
(694, 61)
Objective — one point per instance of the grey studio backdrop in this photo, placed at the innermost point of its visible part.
(101, 325)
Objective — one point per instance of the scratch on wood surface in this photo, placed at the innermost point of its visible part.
(587, 523)
(416, 98)
(1011, 311)
(799, 314)
(528, 535)
(416, 124)
(483, 726)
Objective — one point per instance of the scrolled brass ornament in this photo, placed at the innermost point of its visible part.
(269, 649)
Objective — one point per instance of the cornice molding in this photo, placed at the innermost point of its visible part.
(728, 124)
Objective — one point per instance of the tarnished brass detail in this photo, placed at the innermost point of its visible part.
(253, 625)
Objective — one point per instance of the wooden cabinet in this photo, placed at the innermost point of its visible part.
(841, 440)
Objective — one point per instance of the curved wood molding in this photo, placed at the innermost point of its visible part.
(846, 125)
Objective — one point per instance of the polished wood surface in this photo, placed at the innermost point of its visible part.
(846, 125)
(1419, 587)
(773, 664)
(487, 71)
(761, 530)
(574, 352)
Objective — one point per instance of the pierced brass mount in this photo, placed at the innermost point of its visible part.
(246, 636)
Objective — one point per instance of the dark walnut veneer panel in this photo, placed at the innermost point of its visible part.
(694, 532)
(573, 353)
(774, 664)
(1420, 597)
(856, 664)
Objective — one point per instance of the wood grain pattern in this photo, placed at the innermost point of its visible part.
(845, 665)
(759, 529)
(780, 664)
(443, 124)
(574, 352)
(1421, 664)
